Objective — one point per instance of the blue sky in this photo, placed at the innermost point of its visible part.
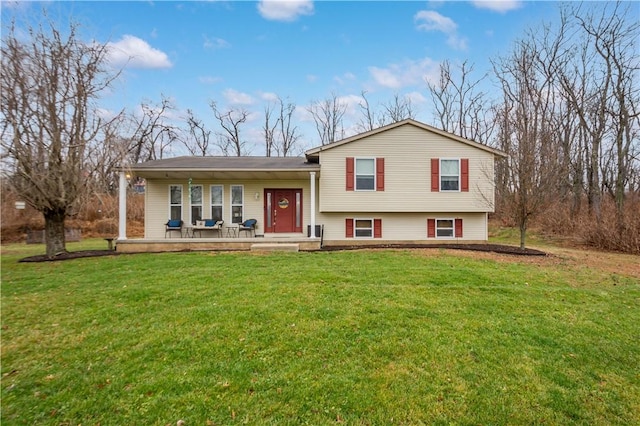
(242, 53)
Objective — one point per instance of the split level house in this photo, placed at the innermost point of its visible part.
(404, 183)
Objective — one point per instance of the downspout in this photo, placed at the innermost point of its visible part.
(312, 176)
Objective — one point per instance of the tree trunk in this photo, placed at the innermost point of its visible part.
(523, 235)
(54, 233)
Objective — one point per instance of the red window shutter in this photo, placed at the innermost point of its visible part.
(431, 228)
(350, 173)
(458, 228)
(377, 228)
(379, 174)
(464, 172)
(435, 174)
(349, 228)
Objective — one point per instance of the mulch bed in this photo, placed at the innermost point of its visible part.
(494, 248)
(70, 255)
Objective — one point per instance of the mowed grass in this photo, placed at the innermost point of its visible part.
(357, 337)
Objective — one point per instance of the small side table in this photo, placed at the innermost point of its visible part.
(232, 231)
(188, 231)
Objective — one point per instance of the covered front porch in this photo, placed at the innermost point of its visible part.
(279, 193)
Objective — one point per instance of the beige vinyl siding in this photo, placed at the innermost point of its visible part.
(407, 151)
(403, 227)
(157, 201)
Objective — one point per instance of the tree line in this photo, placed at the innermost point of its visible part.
(562, 104)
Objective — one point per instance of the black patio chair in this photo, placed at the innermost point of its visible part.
(249, 226)
(173, 225)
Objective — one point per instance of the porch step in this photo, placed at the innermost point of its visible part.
(275, 247)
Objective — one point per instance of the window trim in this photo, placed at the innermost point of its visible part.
(355, 228)
(453, 228)
(355, 174)
(221, 205)
(441, 175)
(231, 205)
(177, 185)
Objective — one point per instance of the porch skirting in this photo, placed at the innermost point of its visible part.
(209, 244)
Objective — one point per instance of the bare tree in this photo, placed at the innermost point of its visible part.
(50, 81)
(199, 142)
(231, 121)
(106, 155)
(526, 182)
(615, 44)
(269, 129)
(398, 109)
(460, 107)
(328, 115)
(288, 132)
(592, 57)
(281, 135)
(153, 133)
(370, 119)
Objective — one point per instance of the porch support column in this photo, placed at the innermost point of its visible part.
(122, 207)
(312, 176)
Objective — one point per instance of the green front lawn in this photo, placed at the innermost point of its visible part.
(356, 337)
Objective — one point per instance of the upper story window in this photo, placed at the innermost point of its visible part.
(175, 202)
(365, 174)
(449, 175)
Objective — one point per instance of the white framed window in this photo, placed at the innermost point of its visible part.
(445, 228)
(449, 174)
(237, 203)
(196, 203)
(217, 199)
(365, 171)
(175, 202)
(363, 228)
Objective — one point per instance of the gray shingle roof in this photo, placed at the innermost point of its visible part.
(228, 164)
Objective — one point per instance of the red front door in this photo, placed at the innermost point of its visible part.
(283, 210)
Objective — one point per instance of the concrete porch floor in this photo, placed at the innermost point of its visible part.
(143, 245)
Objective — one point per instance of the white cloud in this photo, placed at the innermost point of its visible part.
(269, 96)
(209, 79)
(237, 98)
(457, 42)
(408, 73)
(501, 6)
(106, 114)
(134, 52)
(416, 98)
(311, 78)
(352, 103)
(430, 20)
(285, 10)
(215, 43)
(344, 78)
